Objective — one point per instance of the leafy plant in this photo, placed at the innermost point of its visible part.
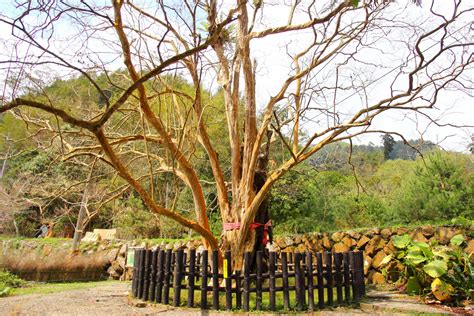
(9, 281)
(445, 272)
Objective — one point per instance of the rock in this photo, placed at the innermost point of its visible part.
(288, 242)
(444, 235)
(337, 236)
(112, 254)
(376, 278)
(297, 240)
(362, 242)
(348, 241)
(418, 236)
(402, 231)
(469, 247)
(375, 244)
(386, 233)
(354, 234)
(377, 260)
(389, 248)
(326, 242)
(123, 250)
(427, 231)
(340, 247)
(301, 248)
(118, 267)
(317, 246)
(112, 273)
(121, 262)
(367, 264)
(139, 304)
(394, 270)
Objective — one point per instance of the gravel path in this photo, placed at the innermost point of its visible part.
(107, 299)
(112, 299)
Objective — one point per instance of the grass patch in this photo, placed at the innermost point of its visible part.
(53, 241)
(47, 288)
(8, 282)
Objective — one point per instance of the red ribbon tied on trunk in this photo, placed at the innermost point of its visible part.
(254, 225)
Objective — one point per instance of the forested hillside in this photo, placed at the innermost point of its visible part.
(341, 187)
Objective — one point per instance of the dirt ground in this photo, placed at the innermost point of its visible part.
(112, 299)
(107, 299)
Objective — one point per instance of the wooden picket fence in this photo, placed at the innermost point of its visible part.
(336, 278)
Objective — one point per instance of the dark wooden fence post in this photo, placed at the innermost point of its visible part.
(160, 275)
(153, 272)
(319, 271)
(361, 272)
(259, 283)
(355, 295)
(227, 270)
(198, 265)
(177, 277)
(136, 266)
(284, 270)
(204, 263)
(338, 268)
(329, 278)
(146, 277)
(359, 275)
(309, 271)
(347, 278)
(215, 279)
(299, 282)
(272, 283)
(191, 276)
(141, 274)
(166, 286)
(238, 290)
(247, 259)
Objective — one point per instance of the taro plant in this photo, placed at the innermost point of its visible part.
(444, 271)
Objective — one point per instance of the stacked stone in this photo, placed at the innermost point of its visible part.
(375, 243)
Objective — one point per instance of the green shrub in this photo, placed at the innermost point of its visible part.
(9, 281)
(445, 272)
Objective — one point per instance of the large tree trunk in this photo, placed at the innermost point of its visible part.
(260, 233)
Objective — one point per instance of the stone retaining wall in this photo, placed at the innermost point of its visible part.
(41, 261)
(375, 243)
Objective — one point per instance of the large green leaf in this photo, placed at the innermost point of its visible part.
(401, 242)
(436, 268)
(457, 240)
(413, 286)
(415, 257)
(442, 252)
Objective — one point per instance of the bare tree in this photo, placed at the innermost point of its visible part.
(329, 50)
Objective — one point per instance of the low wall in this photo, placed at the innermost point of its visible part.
(37, 261)
(375, 243)
(40, 261)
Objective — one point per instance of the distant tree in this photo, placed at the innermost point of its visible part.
(471, 145)
(388, 141)
(441, 187)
